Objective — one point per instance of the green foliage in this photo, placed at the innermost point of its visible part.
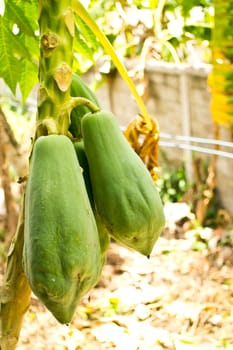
(187, 5)
(86, 46)
(178, 27)
(19, 45)
(127, 25)
(9, 65)
(172, 184)
(18, 13)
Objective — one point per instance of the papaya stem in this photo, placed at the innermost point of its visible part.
(46, 127)
(56, 22)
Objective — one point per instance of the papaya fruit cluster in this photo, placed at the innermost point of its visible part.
(79, 195)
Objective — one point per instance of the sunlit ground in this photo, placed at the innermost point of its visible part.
(179, 299)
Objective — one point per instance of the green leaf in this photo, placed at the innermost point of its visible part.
(19, 46)
(28, 77)
(29, 68)
(9, 64)
(87, 33)
(19, 53)
(81, 47)
(16, 14)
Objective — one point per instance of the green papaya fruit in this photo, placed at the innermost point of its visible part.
(61, 255)
(103, 233)
(124, 193)
(80, 89)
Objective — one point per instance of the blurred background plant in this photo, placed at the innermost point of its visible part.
(171, 31)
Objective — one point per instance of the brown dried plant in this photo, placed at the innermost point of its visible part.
(144, 139)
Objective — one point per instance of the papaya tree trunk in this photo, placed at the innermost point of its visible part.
(56, 23)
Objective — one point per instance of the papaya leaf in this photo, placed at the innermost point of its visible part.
(77, 66)
(87, 33)
(19, 51)
(9, 64)
(19, 47)
(30, 9)
(29, 68)
(28, 77)
(16, 14)
(82, 47)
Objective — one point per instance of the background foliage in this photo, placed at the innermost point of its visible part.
(177, 31)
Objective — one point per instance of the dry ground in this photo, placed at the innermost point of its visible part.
(179, 299)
